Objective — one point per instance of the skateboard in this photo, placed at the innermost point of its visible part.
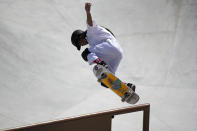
(115, 84)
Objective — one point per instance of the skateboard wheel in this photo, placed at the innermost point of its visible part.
(103, 75)
(131, 98)
(96, 68)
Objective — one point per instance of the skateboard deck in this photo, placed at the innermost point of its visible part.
(115, 84)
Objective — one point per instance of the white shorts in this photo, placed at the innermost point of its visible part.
(109, 51)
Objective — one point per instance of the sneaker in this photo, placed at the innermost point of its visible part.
(132, 86)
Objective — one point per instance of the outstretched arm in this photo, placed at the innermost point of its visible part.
(89, 17)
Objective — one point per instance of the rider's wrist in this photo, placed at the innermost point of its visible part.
(88, 12)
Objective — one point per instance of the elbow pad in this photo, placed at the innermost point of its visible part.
(85, 54)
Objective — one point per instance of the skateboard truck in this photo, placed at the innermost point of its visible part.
(131, 97)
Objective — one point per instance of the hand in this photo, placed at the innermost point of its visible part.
(88, 7)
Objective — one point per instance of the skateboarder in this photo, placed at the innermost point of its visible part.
(103, 49)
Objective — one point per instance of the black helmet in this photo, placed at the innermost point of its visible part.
(76, 37)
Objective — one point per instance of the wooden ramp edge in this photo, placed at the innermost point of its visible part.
(100, 121)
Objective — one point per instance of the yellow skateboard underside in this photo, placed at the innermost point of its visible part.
(115, 84)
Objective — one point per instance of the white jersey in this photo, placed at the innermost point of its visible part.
(103, 45)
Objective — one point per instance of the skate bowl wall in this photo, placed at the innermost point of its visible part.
(43, 77)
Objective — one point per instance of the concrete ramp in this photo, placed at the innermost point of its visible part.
(43, 77)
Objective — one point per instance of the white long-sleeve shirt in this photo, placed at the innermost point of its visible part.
(103, 45)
